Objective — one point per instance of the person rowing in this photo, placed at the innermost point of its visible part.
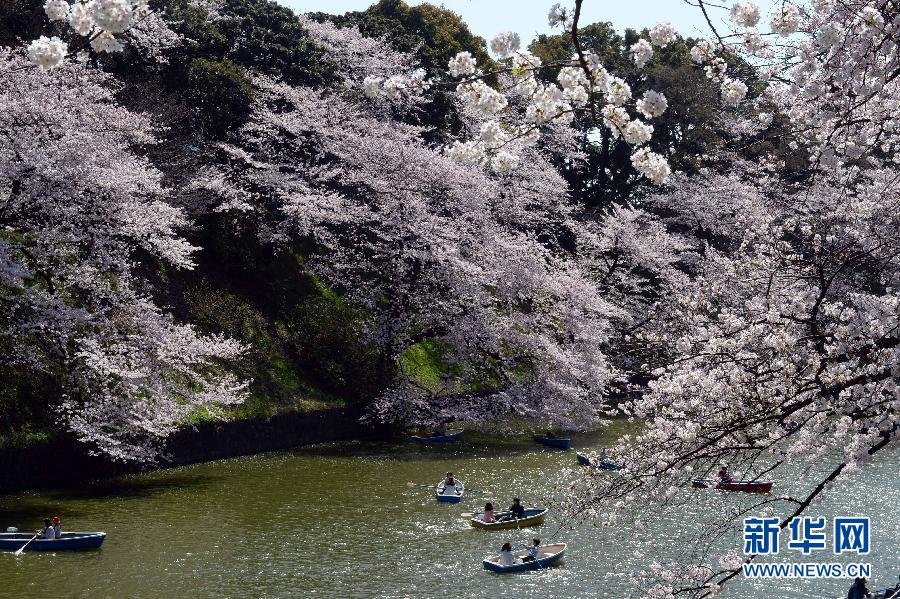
(533, 552)
(859, 589)
(724, 476)
(48, 533)
(516, 511)
(451, 483)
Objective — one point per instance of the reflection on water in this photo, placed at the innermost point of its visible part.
(341, 521)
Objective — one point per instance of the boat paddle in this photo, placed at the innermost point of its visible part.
(420, 485)
(22, 548)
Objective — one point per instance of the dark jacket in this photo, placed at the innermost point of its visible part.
(859, 590)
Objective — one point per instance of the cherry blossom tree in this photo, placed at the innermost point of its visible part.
(785, 350)
(782, 349)
(431, 250)
(79, 207)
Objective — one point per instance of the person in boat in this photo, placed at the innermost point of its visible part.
(506, 555)
(859, 590)
(549, 435)
(57, 527)
(517, 510)
(533, 551)
(450, 483)
(725, 476)
(47, 533)
(488, 516)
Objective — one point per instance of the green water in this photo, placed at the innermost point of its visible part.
(341, 521)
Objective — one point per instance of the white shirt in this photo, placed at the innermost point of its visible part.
(534, 551)
(446, 487)
(48, 534)
(506, 558)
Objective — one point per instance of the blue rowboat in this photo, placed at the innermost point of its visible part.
(609, 466)
(445, 494)
(887, 593)
(557, 442)
(548, 555)
(449, 437)
(69, 541)
(584, 460)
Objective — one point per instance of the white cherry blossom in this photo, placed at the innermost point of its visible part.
(462, 64)
(47, 52)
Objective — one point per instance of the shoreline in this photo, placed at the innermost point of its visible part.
(66, 462)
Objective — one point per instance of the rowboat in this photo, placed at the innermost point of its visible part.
(584, 460)
(449, 495)
(448, 437)
(887, 593)
(69, 541)
(533, 517)
(747, 486)
(557, 442)
(548, 555)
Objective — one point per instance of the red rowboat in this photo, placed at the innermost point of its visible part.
(747, 486)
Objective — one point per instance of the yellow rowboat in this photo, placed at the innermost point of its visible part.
(533, 517)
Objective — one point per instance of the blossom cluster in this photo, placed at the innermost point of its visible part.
(582, 85)
(394, 86)
(97, 20)
(833, 76)
(732, 90)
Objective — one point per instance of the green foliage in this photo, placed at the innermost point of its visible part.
(433, 33)
(600, 38)
(25, 436)
(255, 34)
(425, 365)
(27, 399)
(307, 344)
(276, 381)
(220, 94)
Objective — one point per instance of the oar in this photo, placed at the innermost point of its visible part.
(22, 548)
(420, 485)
